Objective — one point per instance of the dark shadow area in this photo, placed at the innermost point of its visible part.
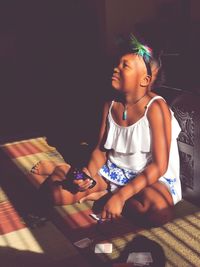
(23, 196)
(174, 33)
(143, 244)
(54, 74)
(52, 77)
(11, 257)
(36, 209)
(29, 203)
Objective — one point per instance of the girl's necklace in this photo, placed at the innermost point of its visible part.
(124, 115)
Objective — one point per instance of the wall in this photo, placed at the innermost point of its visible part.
(195, 7)
(171, 26)
(122, 17)
(54, 59)
(125, 16)
(8, 43)
(51, 72)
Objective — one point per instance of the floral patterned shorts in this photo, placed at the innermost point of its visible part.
(117, 176)
(171, 185)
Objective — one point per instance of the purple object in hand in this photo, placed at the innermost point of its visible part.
(80, 175)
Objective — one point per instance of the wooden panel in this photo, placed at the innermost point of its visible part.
(187, 111)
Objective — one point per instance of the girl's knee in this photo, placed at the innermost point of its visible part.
(135, 206)
(151, 211)
(160, 211)
(157, 217)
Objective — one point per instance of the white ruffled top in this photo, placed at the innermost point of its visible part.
(130, 147)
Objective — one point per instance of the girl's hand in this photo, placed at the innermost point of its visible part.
(83, 185)
(113, 208)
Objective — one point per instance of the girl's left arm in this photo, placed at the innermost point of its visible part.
(159, 117)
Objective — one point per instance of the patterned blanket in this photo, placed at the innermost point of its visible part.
(33, 241)
(177, 242)
(25, 154)
(27, 239)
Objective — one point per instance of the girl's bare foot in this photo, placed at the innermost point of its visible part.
(47, 167)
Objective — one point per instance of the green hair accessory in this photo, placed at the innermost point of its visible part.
(140, 49)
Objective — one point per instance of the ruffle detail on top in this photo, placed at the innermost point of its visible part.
(129, 139)
(136, 137)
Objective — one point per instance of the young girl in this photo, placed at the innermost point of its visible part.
(136, 158)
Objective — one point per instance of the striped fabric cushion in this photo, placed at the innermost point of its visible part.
(25, 154)
(178, 239)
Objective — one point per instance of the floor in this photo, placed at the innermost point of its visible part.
(34, 234)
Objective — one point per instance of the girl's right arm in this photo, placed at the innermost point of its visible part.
(98, 156)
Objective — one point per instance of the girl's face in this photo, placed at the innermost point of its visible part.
(130, 73)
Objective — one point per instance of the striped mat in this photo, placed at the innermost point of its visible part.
(177, 242)
(22, 245)
(27, 239)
